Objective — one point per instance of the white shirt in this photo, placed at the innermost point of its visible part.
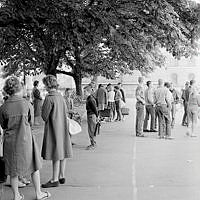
(111, 96)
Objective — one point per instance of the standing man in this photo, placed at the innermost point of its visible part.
(150, 108)
(175, 100)
(185, 97)
(102, 99)
(92, 116)
(163, 107)
(140, 107)
(122, 92)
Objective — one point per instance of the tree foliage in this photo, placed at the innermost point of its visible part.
(95, 36)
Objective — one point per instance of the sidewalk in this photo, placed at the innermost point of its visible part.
(106, 173)
(168, 169)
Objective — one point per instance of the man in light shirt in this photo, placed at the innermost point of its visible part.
(150, 108)
(163, 107)
(139, 94)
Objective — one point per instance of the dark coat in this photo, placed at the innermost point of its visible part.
(37, 102)
(20, 149)
(56, 141)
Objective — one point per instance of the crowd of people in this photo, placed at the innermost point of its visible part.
(159, 105)
(21, 110)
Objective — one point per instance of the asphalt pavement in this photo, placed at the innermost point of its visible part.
(124, 167)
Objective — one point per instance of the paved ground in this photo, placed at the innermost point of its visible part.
(103, 174)
(168, 170)
(119, 170)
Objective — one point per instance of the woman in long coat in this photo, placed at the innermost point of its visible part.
(20, 149)
(56, 142)
(37, 102)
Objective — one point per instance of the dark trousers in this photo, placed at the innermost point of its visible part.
(139, 118)
(164, 120)
(118, 110)
(91, 120)
(173, 114)
(150, 111)
(185, 118)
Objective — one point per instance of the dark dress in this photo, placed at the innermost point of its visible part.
(37, 102)
(56, 141)
(21, 153)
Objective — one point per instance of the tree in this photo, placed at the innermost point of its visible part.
(95, 36)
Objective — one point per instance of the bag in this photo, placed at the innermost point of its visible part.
(105, 113)
(125, 111)
(3, 176)
(122, 104)
(74, 127)
(97, 129)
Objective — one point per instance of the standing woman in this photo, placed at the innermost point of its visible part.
(118, 99)
(56, 142)
(20, 150)
(37, 102)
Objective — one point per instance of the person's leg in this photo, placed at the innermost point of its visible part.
(146, 118)
(189, 125)
(194, 122)
(140, 119)
(14, 187)
(152, 114)
(91, 128)
(173, 114)
(36, 182)
(62, 168)
(184, 115)
(56, 169)
(160, 122)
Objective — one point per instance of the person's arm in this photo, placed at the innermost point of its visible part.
(31, 114)
(37, 94)
(93, 106)
(150, 97)
(138, 97)
(46, 109)
(168, 99)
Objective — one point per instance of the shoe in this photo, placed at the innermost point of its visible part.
(153, 131)
(45, 197)
(62, 180)
(90, 147)
(24, 180)
(169, 138)
(50, 184)
(161, 137)
(140, 135)
(146, 130)
(21, 184)
(193, 135)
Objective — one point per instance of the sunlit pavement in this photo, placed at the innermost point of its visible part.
(106, 173)
(168, 169)
(124, 167)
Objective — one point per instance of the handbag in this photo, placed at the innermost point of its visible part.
(125, 111)
(122, 104)
(105, 113)
(74, 127)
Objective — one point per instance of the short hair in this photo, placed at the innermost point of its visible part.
(35, 83)
(116, 87)
(192, 82)
(187, 83)
(109, 84)
(148, 83)
(67, 89)
(119, 83)
(87, 87)
(50, 82)
(167, 85)
(12, 85)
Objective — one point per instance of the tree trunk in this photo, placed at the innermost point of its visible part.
(78, 83)
(54, 59)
